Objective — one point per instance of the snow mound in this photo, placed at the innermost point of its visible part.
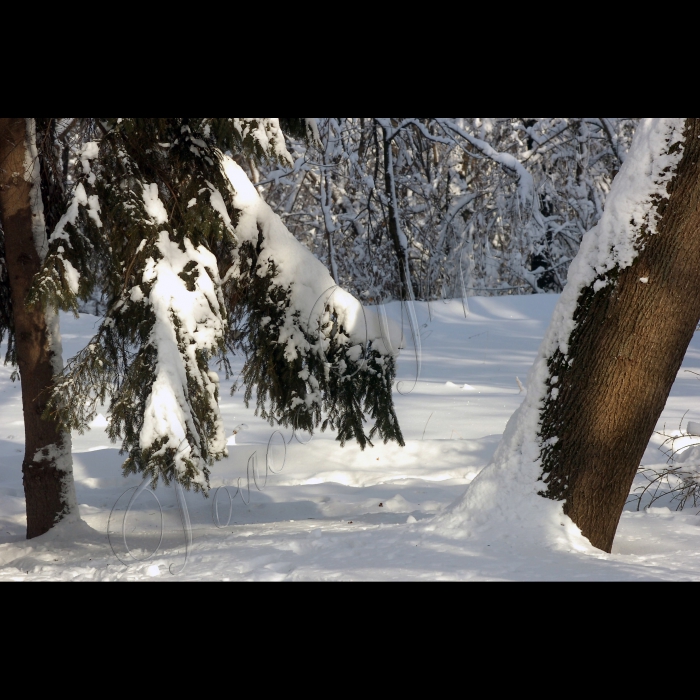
(99, 422)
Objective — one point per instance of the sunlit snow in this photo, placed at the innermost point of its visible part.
(328, 513)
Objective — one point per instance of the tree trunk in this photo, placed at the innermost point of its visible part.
(398, 238)
(47, 467)
(626, 350)
(326, 202)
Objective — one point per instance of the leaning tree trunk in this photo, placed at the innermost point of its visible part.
(47, 466)
(605, 397)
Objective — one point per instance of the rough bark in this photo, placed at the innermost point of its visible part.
(627, 348)
(48, 486)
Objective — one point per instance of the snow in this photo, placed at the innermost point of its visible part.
(72, 276)
(32, 175)
(80, 198)
(312, 127)
(318, 516)
(693, 428)
(198, 328)
(266, 131)
(153, 204)
(88, 152)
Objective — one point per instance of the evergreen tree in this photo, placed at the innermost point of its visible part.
(193, 263)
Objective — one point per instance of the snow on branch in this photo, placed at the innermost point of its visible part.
(526, 184)
(265, 135)
(293, 267)
(329, 352)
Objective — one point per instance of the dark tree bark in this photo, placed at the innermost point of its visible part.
(393, 218)
(48, 485)
(628, 346)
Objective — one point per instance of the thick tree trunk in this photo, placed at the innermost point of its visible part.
(47, 468)
(627, 348)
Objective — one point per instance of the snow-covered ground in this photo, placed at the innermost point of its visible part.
(331, 513)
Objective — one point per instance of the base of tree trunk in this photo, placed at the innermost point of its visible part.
(43, 489)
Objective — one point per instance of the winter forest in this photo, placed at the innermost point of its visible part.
(281, 349)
